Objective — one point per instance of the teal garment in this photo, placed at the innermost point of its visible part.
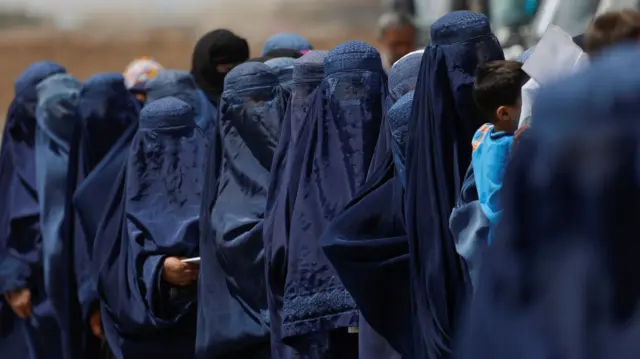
(491, 151)
(511, 13)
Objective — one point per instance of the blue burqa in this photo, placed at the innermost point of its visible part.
(367, 245)
(180, 84)
(308, 72)
(109, 117)
(559, 280)
(334, 152)
(21, 263)
(443, 121)
(283, 67)
(403, 77)
(57, 116)
(286, 40)
(233, 320)
(141, 313)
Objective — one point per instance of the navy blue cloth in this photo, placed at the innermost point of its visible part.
(57, 115)
(402, 79)
(142, 314)
(308, 72)
(233, 320)
(283, 67)
(559, 280)
(109, 114)
(286, 40)
(180, 84)
(367, 245)
(21, 263)
(443, 121)
(333, 152)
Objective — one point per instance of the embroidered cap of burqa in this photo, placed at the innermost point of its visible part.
(286, 40)
(402, 79)
(57, 118)
(232, 313)
(367, 245)
(180, 84)
(335, 150)
(308, 72)
(20, 238)
(109, 116)
(443, 121)
(163, 183)
(283, 67)
(559, 280)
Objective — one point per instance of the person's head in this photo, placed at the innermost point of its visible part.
(396, 35)
(497, 92)
(140, 71)
(214, 55)
(611, 29)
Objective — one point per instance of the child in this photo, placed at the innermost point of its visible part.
(497, 94)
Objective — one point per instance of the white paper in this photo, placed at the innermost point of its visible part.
(194, 260)
(554, 57)
(529, 92)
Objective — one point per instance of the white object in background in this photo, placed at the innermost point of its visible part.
(555, 56)
(529, 92)
(545, 16)
(194, 260)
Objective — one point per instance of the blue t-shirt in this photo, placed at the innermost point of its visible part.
(491, 151)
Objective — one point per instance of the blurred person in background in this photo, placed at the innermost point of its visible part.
(612, 28)
(396, 37)
(508, 16)
(140, 71)
(215, 54)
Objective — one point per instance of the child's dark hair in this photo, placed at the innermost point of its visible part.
(498, 83)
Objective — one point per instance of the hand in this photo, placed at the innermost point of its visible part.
(20, 302)
(516, 136)
(176, 272)
(95, 323)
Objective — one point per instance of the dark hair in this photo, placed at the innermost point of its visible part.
(498, 83)
(612, 28)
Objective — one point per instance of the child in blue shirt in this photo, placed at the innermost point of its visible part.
(497, 93)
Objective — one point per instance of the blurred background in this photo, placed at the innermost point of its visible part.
(89, 36)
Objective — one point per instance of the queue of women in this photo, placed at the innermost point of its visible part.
(311, 204)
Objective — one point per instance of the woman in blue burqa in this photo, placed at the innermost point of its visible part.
(443, 120)
(148, 294)
(180, 84)
(26, 313)
(232, 315)
(108, 121)
(367, 245)
(58, 118)
(372, 227)
(332, 155)
(308, 72)
(285, 40)
(560, 278)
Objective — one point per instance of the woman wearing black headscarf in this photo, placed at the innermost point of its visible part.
(214, 55)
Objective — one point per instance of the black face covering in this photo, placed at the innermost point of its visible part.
(218, 47)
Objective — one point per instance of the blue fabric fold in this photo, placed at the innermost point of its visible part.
(21, 263)
(333, 154)
(233, 319)
(286, 40)
(308, 72)
(367, 245)
(559, 279)
(443, 121)
(180, 84)
(161, 197)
